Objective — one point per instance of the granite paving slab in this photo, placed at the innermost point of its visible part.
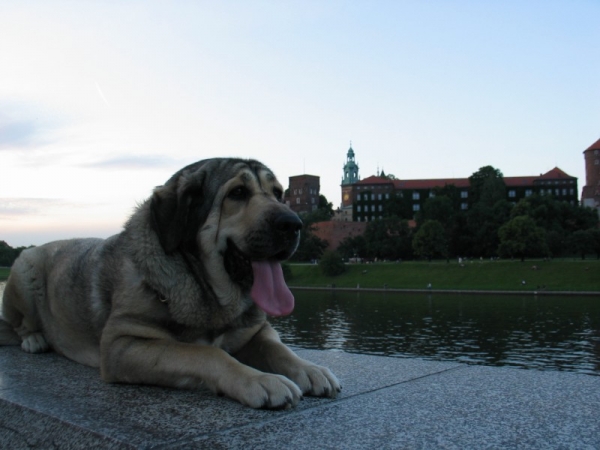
(47, 401)
(471, 408)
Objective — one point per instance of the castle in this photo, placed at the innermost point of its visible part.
(365, 200)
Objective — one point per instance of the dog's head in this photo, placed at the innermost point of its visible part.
(229, 215)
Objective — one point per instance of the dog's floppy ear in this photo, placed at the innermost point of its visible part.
(174, 208)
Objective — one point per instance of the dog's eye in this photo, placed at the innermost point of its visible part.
(239, 193)
(278, 194)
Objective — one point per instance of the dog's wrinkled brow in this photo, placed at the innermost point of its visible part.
(246, 177)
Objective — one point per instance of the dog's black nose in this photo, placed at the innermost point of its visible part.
(288, 223)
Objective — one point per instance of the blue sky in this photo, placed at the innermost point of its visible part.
(102, 101)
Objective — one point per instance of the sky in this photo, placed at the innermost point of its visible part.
(101, 101)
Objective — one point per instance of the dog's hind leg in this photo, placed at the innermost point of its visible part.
(8, 336)
(20, 323)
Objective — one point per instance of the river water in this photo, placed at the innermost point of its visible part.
(545, 332)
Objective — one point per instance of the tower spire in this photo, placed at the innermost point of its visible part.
(350, 168)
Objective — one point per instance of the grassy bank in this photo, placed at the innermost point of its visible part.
(556, 275)
(4, 271)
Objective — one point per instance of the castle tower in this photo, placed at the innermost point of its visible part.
(350, 168)
(303, 193)
(590, 195)
(350, 177)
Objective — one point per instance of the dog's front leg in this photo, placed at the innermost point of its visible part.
(165, 362)
(267, 353)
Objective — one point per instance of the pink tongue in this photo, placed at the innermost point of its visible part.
(269, 291)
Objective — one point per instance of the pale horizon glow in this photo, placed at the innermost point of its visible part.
(102, 101)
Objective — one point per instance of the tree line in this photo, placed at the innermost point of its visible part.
(8, 254)
(537, 226)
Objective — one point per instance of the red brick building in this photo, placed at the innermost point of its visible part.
(590, 194)
(303, 193)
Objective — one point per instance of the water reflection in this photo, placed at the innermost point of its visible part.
(551, 333)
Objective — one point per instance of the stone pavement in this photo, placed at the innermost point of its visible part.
(47, 401)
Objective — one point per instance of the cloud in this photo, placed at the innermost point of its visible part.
(133, 162)
(24, 125)
(16, 207)
(16, 133)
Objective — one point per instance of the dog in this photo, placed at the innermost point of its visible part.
(180, 297)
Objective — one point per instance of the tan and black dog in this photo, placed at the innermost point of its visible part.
(180, 297)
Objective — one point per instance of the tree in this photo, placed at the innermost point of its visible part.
(559, 219)
(332, 264)
(388, 238)
(312, 247)
(430, 241)
(353, 247)
(8, 254)
(486, 184)
(520, 237)
(595, 234)
(439, 208)
(481, 225)
(398, 206)
(582, 242)
(488, 210)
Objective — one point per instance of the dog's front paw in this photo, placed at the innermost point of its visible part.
(266, 391)
(314, 380)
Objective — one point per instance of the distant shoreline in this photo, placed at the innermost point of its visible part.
(443, 291)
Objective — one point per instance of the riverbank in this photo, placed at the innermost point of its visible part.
(561, 276)
(476, 276)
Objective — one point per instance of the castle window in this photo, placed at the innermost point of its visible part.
(512, 193)
(464, 194)
(373, 208)
(416, 196)
(372, 196)
(358, 208)
(358, 197)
